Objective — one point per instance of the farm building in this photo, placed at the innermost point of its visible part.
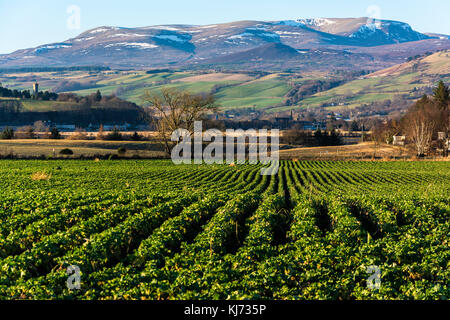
(398, 140)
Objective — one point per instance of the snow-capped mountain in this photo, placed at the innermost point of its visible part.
(376, 43)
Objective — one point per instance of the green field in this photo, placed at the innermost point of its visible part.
(239, 94)
(257, 94)
(365, 91)
(195, 87)
(242, 93)
(153, 230)
(145, 81)
(46, 106)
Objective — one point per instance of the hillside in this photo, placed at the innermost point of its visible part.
(270, 52)
(371, 45)
(234, 90)
(241, 90)
(409, 80)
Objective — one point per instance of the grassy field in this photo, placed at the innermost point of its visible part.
(259, 94)
(245, 92)
(140, 229)
(46, 148)
(365, 150)
(45, 106)
(86, 148)
(135, 95)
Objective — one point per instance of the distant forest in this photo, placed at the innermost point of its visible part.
(68, 108)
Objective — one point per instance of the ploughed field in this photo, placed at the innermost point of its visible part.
(155, 230)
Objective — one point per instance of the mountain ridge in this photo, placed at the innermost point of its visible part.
(190, 45)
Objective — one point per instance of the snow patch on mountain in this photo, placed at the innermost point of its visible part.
(288, 33)
(252, 33)
(387, 31)
(207, 27)
(290, 23)
(126, 35)
(99, 30)
(168, 28)
(316, 22)
(172, 37)
(140, 45)
(240, 36)
(84, 39)
(46, 48)
(56, 46)
(257, 29)
(365, 30)
(249, 35)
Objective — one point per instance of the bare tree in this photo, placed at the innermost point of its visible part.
(383, 132)
(173, 109)
(39, 126)
(421, 123)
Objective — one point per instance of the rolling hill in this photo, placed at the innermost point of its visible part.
(270, 51)
(244, 90)
(408, 80)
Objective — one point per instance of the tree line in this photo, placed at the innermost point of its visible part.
(308, 88)
(78, 110)
(26, 94)
(421, 123)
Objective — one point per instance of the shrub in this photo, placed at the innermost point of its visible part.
(54, 134)
(7, 134)
(26, 132)
(114, 135)
(66, 152)
(121, 151)
(136, 136)
(39, 126)
(79, 134)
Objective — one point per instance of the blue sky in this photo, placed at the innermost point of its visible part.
(25, 24)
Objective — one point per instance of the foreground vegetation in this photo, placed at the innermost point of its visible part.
(153, 230)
